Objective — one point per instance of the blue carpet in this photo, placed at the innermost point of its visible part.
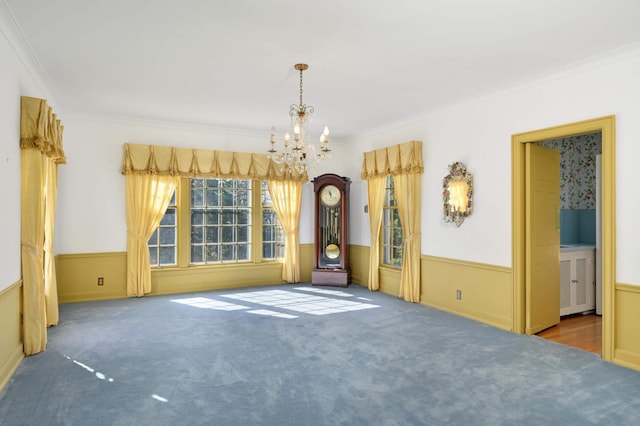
(301, 355)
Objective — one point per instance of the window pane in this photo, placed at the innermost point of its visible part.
(153, 255)
(227, 234)
(197, 217)
(227, 252)
(243, 198)
(213, 197)
(243, 252)
(213, 217)
(268, 251)
(397, 257)
(169, 218)
(212, 234)
(167, 236)
(197, 235)
(213, 254)
(397, 237)
(167, 255)
(228, 198)
(243, 234)
(244, 217)
(197, 197)
(267, 233)
(228, 217)
(197, 254)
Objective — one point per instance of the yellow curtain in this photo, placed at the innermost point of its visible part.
(375, 190)
(50, 282)
(393, 160)
(201, 163)
(32, 234)
(147, 198)
(407, 191)
(404, 163)
(41, 152)
(287, 199)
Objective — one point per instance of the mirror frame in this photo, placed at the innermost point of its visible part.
(457, 172)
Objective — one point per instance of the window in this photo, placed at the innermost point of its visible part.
(392, 240)
(273, 237)
(218, 225)
(220, 220)
(163, 241)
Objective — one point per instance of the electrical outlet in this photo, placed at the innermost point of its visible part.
(100, 280)
(458, 294)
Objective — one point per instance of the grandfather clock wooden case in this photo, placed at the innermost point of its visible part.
(331, 254)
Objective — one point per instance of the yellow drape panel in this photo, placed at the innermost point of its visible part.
(393, 160)
(147, 198)
(41, 152)
(375, 188)
(407, 191)
(50, 283)
(287, 199)
(201, 163)
(33, 177)
(404, 162)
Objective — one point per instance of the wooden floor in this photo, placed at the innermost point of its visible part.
(580, 331)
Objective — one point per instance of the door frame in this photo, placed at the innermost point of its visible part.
(606, 126)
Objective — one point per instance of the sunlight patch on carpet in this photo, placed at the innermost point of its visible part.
(206, 303)
(159, 398)
(271, 313)
(324, 291)
(305, 303)
(98, 374)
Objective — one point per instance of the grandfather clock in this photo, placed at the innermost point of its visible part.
(331, 259)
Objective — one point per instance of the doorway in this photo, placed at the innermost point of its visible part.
(606, 126)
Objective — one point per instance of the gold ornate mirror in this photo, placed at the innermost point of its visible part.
(457, 194)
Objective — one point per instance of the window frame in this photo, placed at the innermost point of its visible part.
(183, 212)
(387, 242)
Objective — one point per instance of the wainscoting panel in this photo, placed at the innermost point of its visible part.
(359, 262)
(390, 280)
(206, 278)
(77, 276)
(474, 290)
(11, 348)
(627, 317)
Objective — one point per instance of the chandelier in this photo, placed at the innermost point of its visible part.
(299, 154)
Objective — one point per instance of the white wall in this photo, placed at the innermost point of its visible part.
(478, 133)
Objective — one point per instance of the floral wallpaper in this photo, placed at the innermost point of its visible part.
(577, 169)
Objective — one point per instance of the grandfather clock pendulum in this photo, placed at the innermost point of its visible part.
(331, 260)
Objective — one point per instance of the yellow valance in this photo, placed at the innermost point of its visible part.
(395, 160)
(40, 129)
(202, 163)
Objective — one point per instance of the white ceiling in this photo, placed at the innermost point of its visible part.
(229, 63)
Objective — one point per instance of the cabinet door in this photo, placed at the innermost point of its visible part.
(565, 286)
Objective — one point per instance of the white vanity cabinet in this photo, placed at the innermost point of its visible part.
(577, 280)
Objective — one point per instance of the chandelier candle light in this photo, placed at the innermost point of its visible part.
(300, 154)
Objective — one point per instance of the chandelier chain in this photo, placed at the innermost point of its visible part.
(300, 89)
